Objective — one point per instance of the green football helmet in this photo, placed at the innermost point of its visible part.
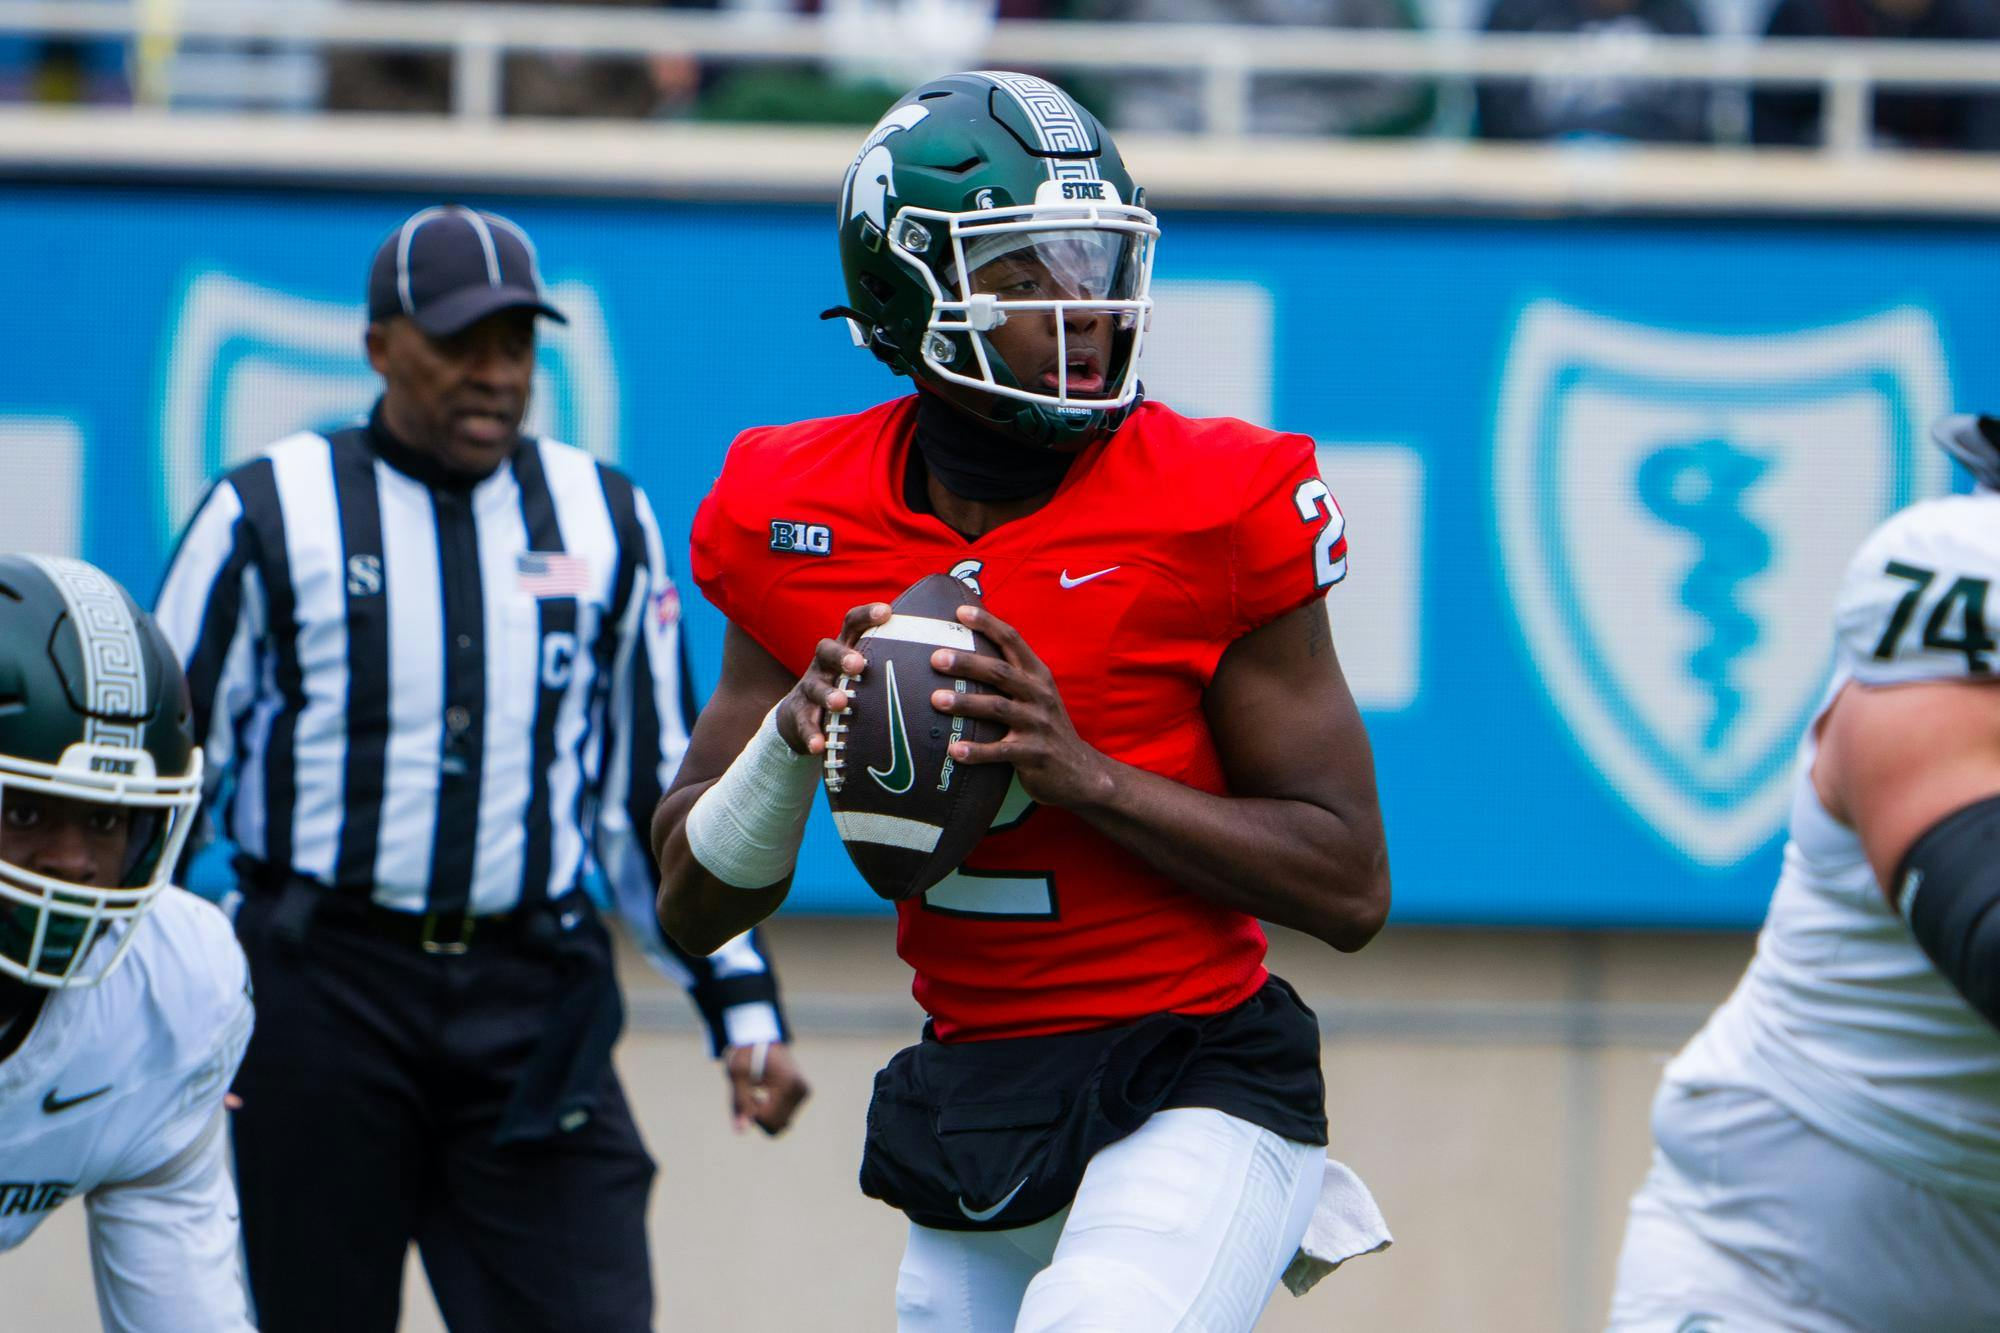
(991, 196)
(93, 730)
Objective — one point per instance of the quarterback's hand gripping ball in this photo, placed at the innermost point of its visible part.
(907, 811)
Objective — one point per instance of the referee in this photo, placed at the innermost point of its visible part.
(438, 663)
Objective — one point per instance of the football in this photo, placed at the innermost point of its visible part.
(907, 812)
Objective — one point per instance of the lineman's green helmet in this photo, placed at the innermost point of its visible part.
(93, 710)
(962, 172)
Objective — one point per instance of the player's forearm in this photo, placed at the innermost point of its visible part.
(1285, 861)
(698, 910)
(164, 1248)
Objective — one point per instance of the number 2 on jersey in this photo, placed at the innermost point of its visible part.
(998, 895)
(1966, 597)
(1313, 500)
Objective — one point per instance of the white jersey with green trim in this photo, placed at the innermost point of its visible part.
(116, 1097)
(1841, 1017)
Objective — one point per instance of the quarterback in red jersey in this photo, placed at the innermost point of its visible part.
(1116, 1117)
(1054, 926)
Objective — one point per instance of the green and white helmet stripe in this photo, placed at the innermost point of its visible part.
(114, 659)
(1057, 120)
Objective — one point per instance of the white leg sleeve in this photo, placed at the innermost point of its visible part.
(1187, 1223)
(969, 1281)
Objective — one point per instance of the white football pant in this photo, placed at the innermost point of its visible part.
(1186, 1224)
(1751, 1221)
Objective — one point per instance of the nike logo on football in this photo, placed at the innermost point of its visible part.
(53, 1103)
(902, 770)
(1069, 582)
(988, 1214)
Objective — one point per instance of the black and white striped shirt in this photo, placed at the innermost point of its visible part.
(449, 697)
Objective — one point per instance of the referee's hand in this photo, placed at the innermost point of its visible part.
(765, 1086)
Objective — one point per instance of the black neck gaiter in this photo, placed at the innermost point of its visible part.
(976, 462)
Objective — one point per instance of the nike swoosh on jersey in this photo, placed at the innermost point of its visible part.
(988, 1214)
(1069, 582)
(53, 1103)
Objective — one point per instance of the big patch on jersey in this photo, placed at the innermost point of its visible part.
(908, 813)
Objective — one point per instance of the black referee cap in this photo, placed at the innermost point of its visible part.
(449, 267)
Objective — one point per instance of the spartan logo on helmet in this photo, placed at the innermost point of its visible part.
(99, 779)
(872, 177)
(988, 197)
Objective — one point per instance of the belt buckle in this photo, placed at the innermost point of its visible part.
(449, 948)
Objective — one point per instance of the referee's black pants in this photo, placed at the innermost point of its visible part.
(371, 1091)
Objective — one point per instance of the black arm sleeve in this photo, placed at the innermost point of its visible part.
(1949, 887)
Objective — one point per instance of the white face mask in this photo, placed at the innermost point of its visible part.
(51, 928)
(1059, 261)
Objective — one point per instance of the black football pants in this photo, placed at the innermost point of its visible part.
(371, 1089)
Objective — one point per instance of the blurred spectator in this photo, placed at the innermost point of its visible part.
(226, 74)
(876, 49)
(532, 84)
(62, 71)
(1912, 119)
(1595, 95)
(793, 94)
(164, 66)
(51, 69)
(359, 79)
(1279, 103)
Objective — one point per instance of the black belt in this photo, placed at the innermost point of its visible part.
(446, 933)
(438, 933)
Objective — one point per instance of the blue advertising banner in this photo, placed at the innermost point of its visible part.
(1601, 476)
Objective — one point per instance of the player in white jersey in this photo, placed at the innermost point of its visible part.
(123, 1001)
(1828, 1146)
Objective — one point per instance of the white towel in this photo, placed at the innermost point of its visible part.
(1346, 1225)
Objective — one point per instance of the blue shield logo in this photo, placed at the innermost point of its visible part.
(1674, 513)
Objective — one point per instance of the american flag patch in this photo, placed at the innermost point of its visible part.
(552, 574)
(666, 606)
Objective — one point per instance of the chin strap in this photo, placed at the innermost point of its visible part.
(869, 335)
(857, 323)
(1048, 428)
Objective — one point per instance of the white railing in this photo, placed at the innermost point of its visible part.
(477, 37)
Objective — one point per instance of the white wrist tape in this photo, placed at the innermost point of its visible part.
(745, 830)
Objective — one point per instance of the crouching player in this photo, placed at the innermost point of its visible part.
(123, 1001)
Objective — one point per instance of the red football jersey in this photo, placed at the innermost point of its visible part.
(1164, 544)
